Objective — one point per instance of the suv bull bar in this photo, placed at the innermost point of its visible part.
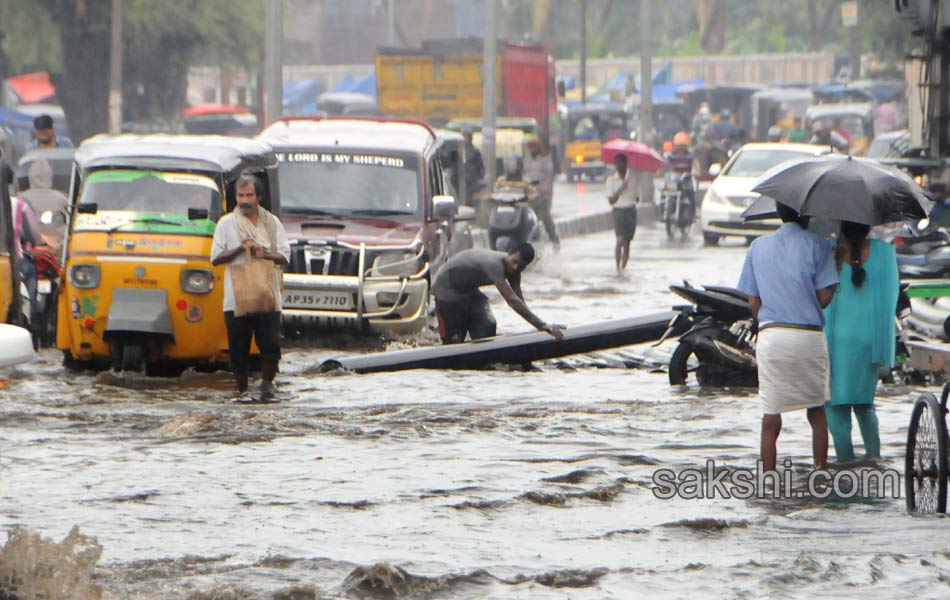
(345, 283)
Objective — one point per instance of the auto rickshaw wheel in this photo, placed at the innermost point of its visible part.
(925, 463)
(133, 357)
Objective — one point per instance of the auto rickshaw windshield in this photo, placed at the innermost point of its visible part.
(150, 191)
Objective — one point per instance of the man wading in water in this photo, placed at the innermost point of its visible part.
(462, 309)
(790, 276)
(251, 227)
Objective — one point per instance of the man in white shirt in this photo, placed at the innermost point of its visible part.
(252, 227)
(623, 193)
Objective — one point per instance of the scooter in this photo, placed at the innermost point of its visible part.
(512, 220)
(677, 203)
(717, 336)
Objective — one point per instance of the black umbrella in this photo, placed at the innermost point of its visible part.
(762, 208)
(844, 188)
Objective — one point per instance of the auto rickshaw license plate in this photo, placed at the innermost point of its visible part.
(319, 300)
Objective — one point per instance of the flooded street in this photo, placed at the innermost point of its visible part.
(475, 484)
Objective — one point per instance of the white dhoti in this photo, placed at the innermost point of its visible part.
(793, 369)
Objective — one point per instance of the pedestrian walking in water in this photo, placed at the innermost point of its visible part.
(623, 193)
(463, 309)
(790, 276)
(249, 238)
(539, 170)
(859, 325)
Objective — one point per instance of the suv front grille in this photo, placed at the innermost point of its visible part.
(324, 260)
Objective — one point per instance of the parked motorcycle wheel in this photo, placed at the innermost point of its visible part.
(709, 374)
(679, 364)
(710, 239)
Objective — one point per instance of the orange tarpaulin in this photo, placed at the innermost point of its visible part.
(32, 87)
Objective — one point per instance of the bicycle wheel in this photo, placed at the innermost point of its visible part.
(925, 464)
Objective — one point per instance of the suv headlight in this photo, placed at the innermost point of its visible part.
(85, 276)
(395, 264)
(197, 281)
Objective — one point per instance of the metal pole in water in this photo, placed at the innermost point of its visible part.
(583, 74)
(391, 23)
(273, 62)
(115, 70)
(645, 132)
(489, 92)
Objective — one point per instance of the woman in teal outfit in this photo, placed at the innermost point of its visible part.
(859, 325)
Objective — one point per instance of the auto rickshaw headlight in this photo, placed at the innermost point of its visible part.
(85, 276)
(197, 281)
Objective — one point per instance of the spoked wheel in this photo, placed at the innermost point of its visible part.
(925, 466)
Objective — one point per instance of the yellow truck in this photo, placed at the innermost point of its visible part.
(443, 81)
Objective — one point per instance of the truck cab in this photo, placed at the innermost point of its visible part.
(367, 211)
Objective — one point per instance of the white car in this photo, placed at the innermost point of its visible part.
(731, 192)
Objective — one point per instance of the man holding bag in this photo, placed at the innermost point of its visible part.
(253, 244)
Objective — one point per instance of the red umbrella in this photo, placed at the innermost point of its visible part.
(639, 156)
(214, 109)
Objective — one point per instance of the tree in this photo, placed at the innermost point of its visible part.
(712, 16)
(161, 37)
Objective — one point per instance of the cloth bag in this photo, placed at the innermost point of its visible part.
(253, 285)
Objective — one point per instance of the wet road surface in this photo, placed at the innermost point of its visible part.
(487, 484)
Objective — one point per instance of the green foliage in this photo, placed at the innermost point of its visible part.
(229, 31)
(754, 26)
(31, 40)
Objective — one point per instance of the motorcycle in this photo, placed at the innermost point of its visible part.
(717, 334)
(512, 220)
(923, 256)
(43, 313)
(677, 203)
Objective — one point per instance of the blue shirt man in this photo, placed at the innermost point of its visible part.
(45, 136)
(790, 276)
(785, 269)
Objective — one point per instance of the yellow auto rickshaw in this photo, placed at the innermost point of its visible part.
(9, 271)
(588, 127)
(140, 292)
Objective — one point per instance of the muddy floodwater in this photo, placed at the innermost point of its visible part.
(449, 485)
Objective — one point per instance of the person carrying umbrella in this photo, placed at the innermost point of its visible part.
(623, 189)
(858, 327)
(790, 276)
(623, 193)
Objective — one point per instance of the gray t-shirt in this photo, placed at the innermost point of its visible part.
(462, 275)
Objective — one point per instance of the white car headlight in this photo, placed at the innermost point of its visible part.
(395, 264)
(713, 198)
